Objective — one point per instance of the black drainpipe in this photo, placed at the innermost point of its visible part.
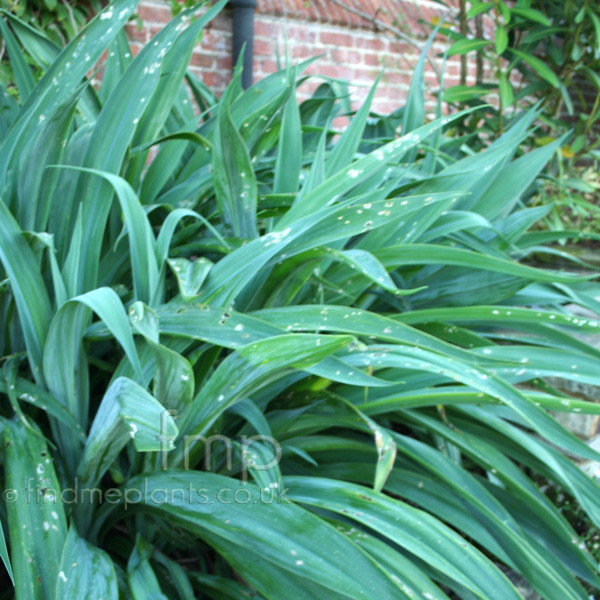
(243, 33)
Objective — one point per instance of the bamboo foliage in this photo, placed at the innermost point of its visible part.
(363, 300)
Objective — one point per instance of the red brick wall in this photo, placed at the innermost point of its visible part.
(351, 48)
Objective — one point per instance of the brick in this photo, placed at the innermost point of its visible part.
(136, 34)
(352, 50)
(395, 77)
(365, 75)
(302, 52)
(338, 72)
(264, 48)
(154, 13)
(224, 62)
(267, 66)
(304, 34)
(371, 59)
(375, 43)
(202, 60)
(136, 48)
(336, 39)
(345, 57)
(214, 80)
(264, 28)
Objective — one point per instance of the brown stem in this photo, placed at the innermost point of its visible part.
(498, 71)
(463, 30)
(380, 25)
(479, 56)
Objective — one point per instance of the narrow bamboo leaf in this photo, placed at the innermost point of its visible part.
(289, 151)
(462, 93)
(85, 571)
(21, 70)
(477, 8)
(362, 262)
(580, 485)
(418, 532)
(541, 68)
(141, 239)
(233, 173)
(107, 147)
(414, 110)
(502, 315)
(37, 523)
(410, 254)
(531, 14)
(506, 91)
(281, 533)
(127, 412)
(467, 45)
(385, 445)
(350, 176)
(174, 377)
(28, 288)
(118, 59)
(485, 381)
(344, 150)
(190, 275)
(143, 583)
(596, 23)
(176, 59)
(63, 77)
(250, 366)
(65, 365)
(501, 42)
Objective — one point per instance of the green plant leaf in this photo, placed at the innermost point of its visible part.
(506, 91)
(418, 532)
(531, 14)
(233, 173)
(127, 412)
(467, 45)
(37, 523)
(501, 41)
(538, 66)
(462, 93)
(281, 533)
(85, 570)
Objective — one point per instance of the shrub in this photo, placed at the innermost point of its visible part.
(352, 310)
(553, 47)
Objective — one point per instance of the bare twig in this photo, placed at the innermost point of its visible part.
(463, 31)
(478, 56)
(380, 25)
